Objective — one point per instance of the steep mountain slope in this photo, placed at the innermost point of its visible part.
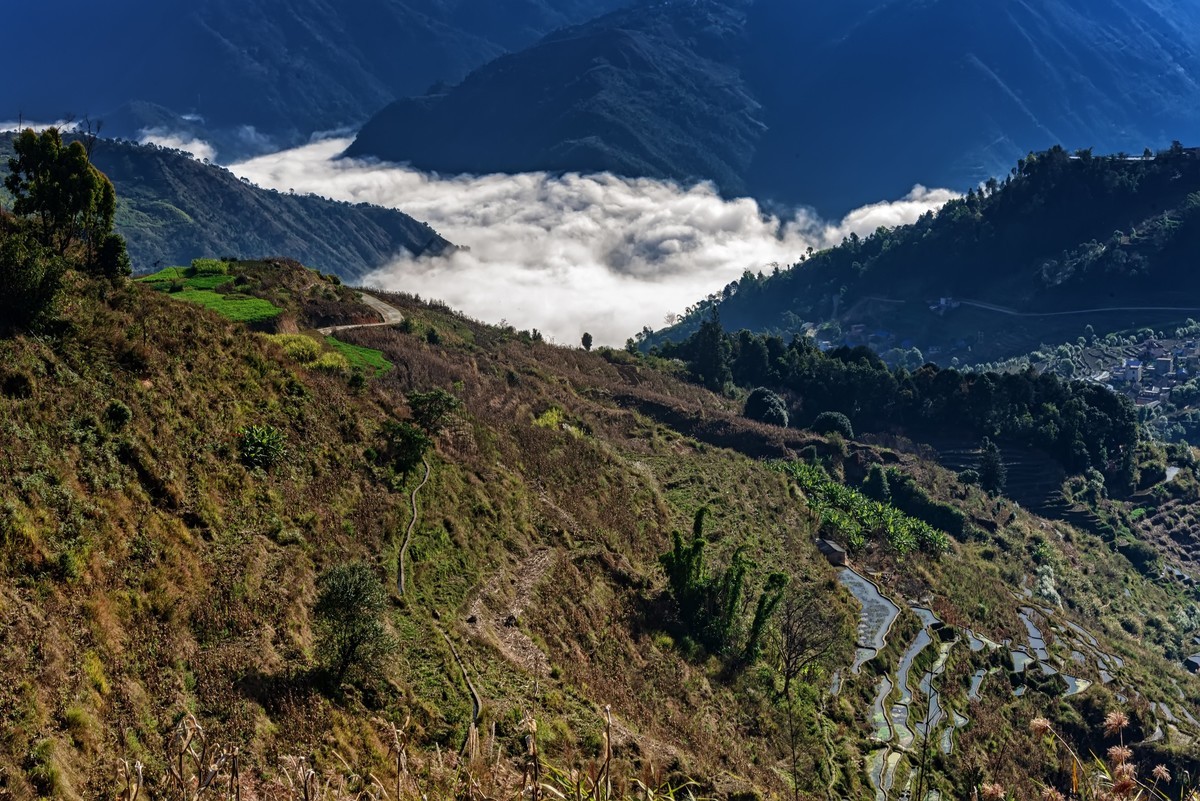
(833, 106)
(148, 571)
(644, 92)
(173, 209)
(1063, 243)
(288, 69)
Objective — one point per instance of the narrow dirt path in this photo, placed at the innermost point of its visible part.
(401, 584)
(476, 701)
(391, 316)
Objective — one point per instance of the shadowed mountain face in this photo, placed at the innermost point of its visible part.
(172, 209)
(286, 68)
(647, 92)
(833, 105)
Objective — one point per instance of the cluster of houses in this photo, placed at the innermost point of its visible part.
(1149, 378)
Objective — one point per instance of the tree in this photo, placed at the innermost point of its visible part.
(876, 485)
(710, 356)
(56, 185)
(833, 423)
(430, 409)
(586, 341)
(30, 277)
(766, 407)
(404, 448)
(993, 475)
(811, 634)
(352, 640)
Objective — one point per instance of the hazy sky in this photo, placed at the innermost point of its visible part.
(572, 253)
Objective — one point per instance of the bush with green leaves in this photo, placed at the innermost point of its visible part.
(850, 516)
(833, 423)
(262, 446)
(766, 407)
(710, 608)
(209, 267)
(352, 640)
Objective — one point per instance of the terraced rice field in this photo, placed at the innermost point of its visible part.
(911, 712)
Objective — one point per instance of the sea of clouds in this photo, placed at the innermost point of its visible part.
(565, 253)
(573, 253)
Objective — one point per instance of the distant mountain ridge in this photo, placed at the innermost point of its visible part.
(646, 91)
(286, 69)
(173, 208)
(833, 106)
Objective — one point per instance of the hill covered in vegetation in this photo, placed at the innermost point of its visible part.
(1065, 242)
(263, 535)
(438, 555)
(173, 208)
(832, 107)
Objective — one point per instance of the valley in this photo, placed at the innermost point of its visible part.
(359, 468)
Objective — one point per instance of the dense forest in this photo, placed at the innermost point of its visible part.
(1061, 232)
(1083, 426)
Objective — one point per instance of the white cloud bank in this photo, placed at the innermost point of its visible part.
(188, 144)
(573, 253)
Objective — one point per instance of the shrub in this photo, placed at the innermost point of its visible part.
(209, 267)
(331, 362)
(298, 347)
(118, 414)
(262, 446)
(766, 407)
(876, 485)
(833, 423)
(351, 638)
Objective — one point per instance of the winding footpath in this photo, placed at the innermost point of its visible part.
(476, 700)
(401, 583)
(391, 316)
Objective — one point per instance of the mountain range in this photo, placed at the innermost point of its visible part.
(261, 73)
(832, 106)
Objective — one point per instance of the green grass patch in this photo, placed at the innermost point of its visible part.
(368, 359)
(185, 278)
(207, 281)
(236, 307)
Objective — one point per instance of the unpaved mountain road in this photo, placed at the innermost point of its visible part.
(391, 316)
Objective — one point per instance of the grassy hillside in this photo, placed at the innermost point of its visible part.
(148, 574)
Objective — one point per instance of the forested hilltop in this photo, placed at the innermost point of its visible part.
(248, 550)
(173, 208)
(1062, 242)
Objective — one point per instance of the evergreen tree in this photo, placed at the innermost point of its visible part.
(993, 475)
(876, 485)
(586, 341)
(351, 638)
(710, 362)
